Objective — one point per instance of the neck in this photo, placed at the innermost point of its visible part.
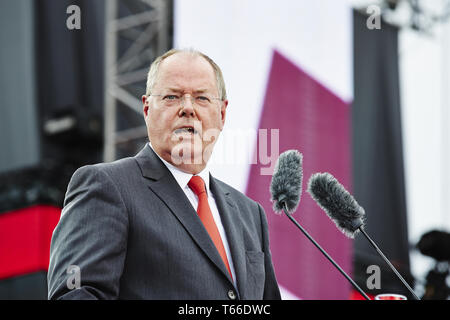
(186, 165)
(189, 168)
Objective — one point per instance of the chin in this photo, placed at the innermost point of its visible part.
(187, 153)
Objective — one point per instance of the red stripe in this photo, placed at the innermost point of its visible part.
(25, 237)
(355, 295)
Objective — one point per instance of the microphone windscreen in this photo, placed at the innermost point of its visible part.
(286, 185)
(337, 202)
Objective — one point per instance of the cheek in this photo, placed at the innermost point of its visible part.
(212, 119)
(212, 127)
(158, 125)
(158, 118)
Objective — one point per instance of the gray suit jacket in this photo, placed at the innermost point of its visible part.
(132, 233)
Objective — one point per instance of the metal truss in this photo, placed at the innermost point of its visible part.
(137, 31)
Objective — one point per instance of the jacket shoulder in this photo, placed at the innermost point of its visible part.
(112, 169)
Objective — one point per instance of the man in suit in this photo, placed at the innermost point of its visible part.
(159, 225)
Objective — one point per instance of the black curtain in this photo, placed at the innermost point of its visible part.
(70, 72)
(68, 77)
(378, 173)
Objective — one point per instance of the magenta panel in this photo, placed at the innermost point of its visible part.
(313, 120)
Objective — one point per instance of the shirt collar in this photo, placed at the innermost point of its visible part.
(182, 177)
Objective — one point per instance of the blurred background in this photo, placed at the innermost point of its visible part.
(361, 88)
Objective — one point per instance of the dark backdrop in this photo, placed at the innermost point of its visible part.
(378, 172)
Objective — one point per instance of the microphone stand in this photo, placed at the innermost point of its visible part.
(389, 263)
(324, 253)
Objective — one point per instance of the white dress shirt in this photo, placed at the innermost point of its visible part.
(183, 179)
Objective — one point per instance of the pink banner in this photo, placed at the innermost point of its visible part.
(313, 120)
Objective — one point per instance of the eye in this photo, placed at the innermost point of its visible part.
(171, 97)
(203, 99)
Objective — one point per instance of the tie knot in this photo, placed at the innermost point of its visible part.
(197, 185)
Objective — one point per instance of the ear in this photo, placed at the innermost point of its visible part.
(223, 112)
(145, 105)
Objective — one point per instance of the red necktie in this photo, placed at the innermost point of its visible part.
(204, 212)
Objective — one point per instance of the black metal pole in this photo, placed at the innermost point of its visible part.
(389, 263)
(326, 254)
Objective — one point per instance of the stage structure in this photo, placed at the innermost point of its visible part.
(137, 31)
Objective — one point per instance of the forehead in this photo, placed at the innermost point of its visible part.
(186, 71)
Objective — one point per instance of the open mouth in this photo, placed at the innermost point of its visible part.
(186, 130)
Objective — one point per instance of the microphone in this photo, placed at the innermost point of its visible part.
(286, 184)
(286, 188)
(347, 214)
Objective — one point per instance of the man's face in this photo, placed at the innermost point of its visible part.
(181, 126)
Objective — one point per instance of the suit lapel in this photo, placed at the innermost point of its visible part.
(229, 213)
(163, 184)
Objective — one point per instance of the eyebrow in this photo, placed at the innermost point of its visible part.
(177, 90)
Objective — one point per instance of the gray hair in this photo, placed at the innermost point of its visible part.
(153, 72)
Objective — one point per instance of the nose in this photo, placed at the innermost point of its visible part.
(187, 107)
